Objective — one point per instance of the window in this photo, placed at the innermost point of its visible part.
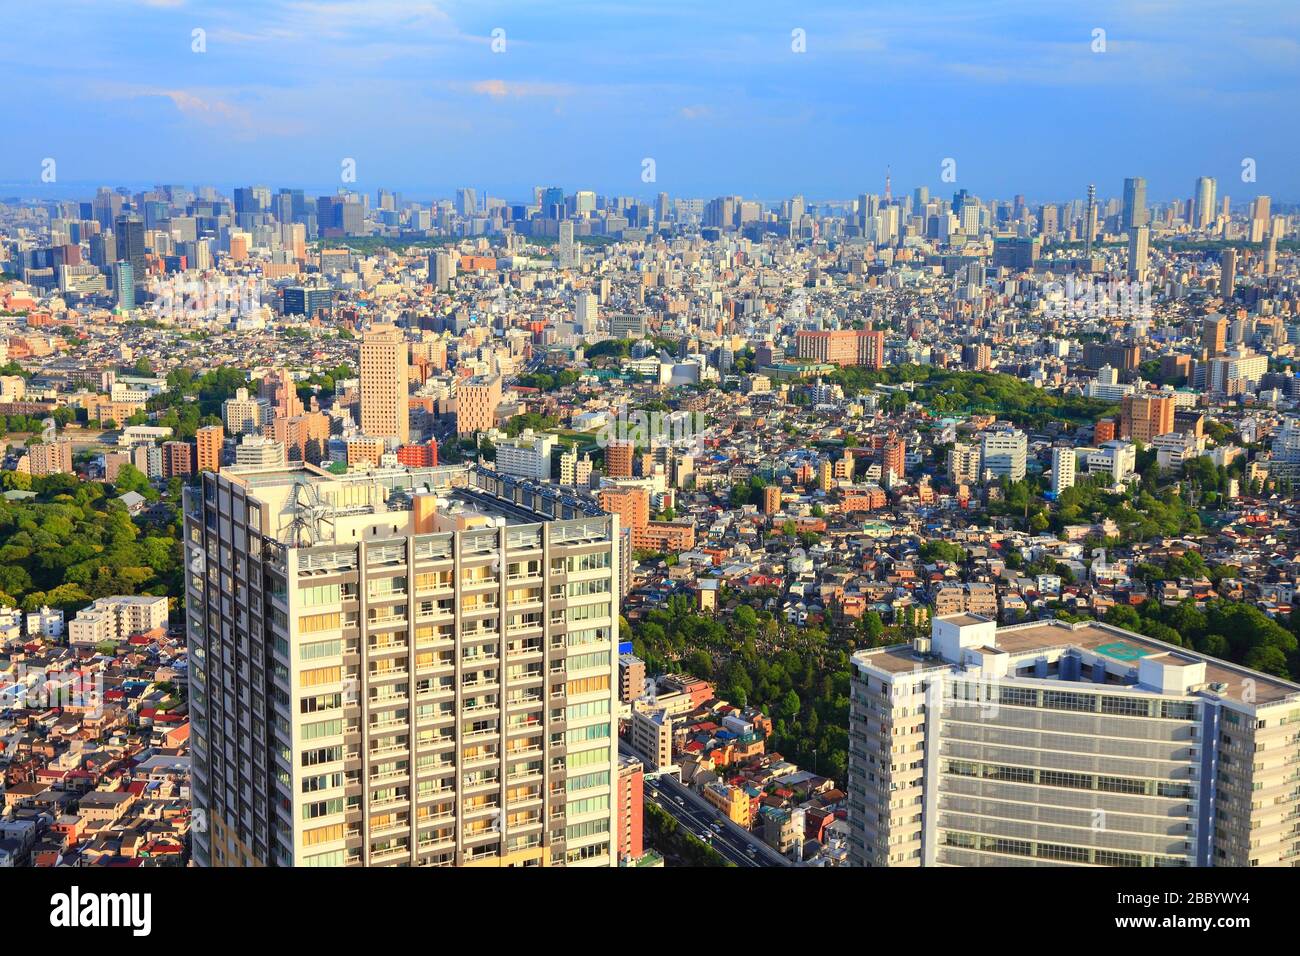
(332, 858)
(322, 834)
(320, 703)
(581, 734)
(587, 781)
(322, 728)
(310, 758)
(319, 595)
(582, 662)
(314, 677)
(322, 808)
(318, 649)
(588, 562)
(1126, 706)
(587, 685)
(314, 623)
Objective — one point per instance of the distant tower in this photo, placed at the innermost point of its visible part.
(1091, 221)
(888, 193)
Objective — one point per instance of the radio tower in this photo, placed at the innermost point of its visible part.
(1090, 224)
(888, 195)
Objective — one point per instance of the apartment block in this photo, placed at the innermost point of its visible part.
(476, 404)
(208, 442)
(49, 458)
(384, 409)
(652, 735)
(1057, 744)
(1142, 418)
(412, 667)
(117, 618)
(178, 459)
(843, 347)
(631, 809)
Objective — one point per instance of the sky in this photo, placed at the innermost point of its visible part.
(1032, 97)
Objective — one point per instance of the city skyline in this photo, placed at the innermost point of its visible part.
(875, 89)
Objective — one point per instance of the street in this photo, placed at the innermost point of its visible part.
(698, 816)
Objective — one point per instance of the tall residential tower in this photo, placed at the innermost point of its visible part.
(410, 667)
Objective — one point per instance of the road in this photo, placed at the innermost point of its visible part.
(697, 815)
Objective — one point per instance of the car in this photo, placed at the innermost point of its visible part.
(717, 826)
(681, 801)
(751, 849)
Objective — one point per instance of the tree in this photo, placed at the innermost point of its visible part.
(871, 627)
(131, 478)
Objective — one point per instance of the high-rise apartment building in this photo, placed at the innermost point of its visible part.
(442, 269)
(1057, 744)
(619, 455)
(527, 455)
(1227, 275)
(412, 671)
(963, 464)
(1004, 454)
(243, 414)
(208, 442)
(178, 459)
(49, 458)
(476, 404)
(1138, 255)
(1214, 335)
(385, 412)
(1063, 472)
(631, 808)
(1143, 417)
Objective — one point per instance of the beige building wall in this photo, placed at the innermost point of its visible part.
(384, 409)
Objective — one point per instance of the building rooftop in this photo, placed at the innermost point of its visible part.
(1122, 649)
(466, 496)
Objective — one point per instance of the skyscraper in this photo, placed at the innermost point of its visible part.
(124, 286)
(414, 672)
(442, 269)
(1204, 212)
(129, 234)
(568, 249)
(466, 202)
(1138, 240)
(1227, 274)
(384, 391)
(1135, 203)
(1214, 335)
(1260, 209)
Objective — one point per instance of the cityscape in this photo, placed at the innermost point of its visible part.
(608, 522)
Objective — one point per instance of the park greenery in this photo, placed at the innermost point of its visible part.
(798, 676)
(74, 542)
(942, 392)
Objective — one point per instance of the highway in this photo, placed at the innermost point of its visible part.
(696, 815)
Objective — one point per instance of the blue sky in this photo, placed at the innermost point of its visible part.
(412, 90)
